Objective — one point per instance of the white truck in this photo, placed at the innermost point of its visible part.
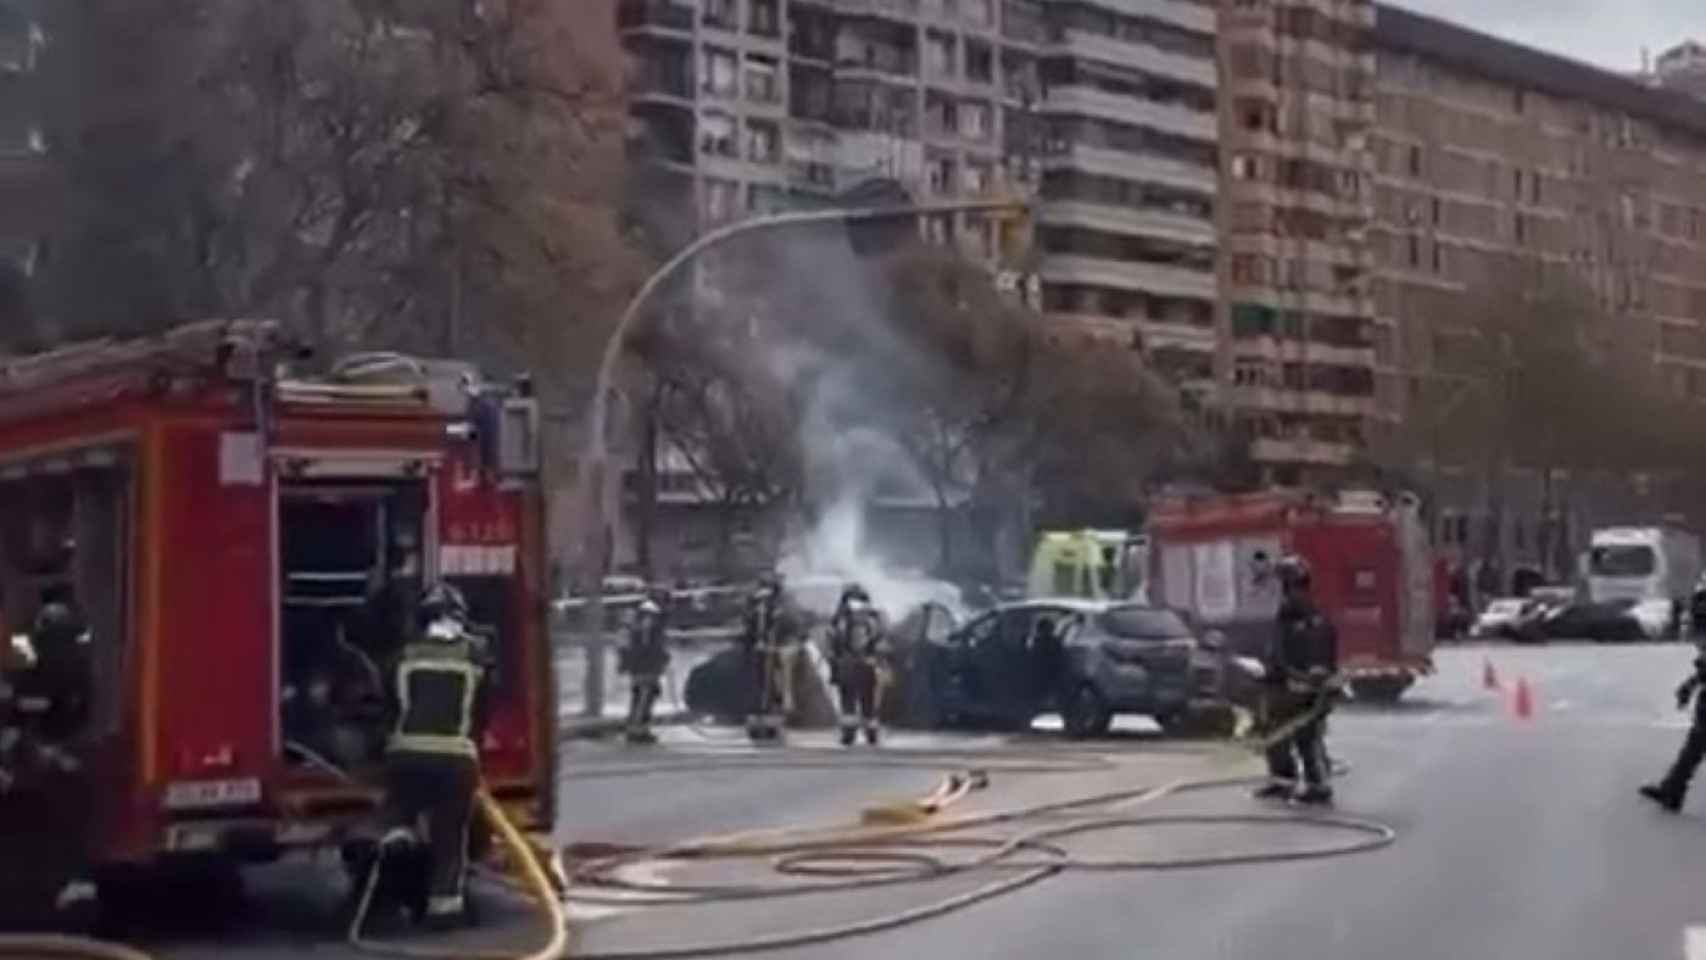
(1643, 564)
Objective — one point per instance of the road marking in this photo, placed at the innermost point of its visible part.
(1694, 943)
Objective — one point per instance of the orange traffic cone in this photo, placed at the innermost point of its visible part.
(1523, 703)
(1489, 676)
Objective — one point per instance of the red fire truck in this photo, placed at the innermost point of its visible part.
(1371, 567)
(241, 546)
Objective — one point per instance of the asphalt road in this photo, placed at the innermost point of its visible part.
(1517, 836)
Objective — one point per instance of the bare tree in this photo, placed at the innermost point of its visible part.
(432, 176)
(728, 419)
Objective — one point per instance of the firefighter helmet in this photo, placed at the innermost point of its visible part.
(1293, 572)
(649, 608)
(444, 601)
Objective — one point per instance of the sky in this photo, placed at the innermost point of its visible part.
(1605, 33)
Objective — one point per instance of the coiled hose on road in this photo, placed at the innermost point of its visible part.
(818, 861)
(838, 860)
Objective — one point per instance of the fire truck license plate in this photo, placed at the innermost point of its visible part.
(201, 794)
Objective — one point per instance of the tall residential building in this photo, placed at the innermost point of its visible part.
(1103, 108)
(1297, 332)
(1493, 163)
(1681, 68)
(23, 162)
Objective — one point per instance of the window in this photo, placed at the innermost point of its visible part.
(939, 54)
(980, 62)
(1622, 561)
(722, 199)
(1521, 229)
(62, 540)
(980, 12)
(761, 18)
(1415, 250)
(721, 13)
(1437, 211)
(761, 86)
(1415, 160)
(717, 72)
(717, 135)
(763, 143)
(974, 121)
(1245, 167)
(1516, 182)
(977, 177)
(1143, 623)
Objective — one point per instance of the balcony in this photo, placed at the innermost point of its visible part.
(1110, 218)
(1090, 102)
(1273, 348)
(1285, 400)
(1152, 278)
(656, 16)
(1147, 168)
(1092, 46)
(1180, 13)
(905, 11)
(662, 88)
(1301, 450)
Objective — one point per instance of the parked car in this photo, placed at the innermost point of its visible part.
(1091, 661)
(1509, 618)
(1614, 621)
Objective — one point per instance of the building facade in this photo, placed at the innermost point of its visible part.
(1297, 326)
(1101, 109)
(1497, 165)
(23, 156)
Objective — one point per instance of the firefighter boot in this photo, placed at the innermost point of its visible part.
(872, 732)
(1314, 795)
(849, 733)
(1664, 798)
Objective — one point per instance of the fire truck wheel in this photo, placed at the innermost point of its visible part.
(1380, 689)
(1085, 714)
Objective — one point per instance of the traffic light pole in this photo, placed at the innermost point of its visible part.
(591, 475)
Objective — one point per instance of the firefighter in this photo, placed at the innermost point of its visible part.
(856, 650)
(1670, 791)
(769, 636)
(432, 758)
(44, 710)
(644, 660)
(1300, 682)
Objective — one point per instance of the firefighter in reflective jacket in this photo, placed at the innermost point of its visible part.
(770, 636)
(644, 660)
(1300, 673)
(432, 758)
(856, 638)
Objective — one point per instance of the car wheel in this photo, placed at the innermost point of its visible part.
(1085, 714)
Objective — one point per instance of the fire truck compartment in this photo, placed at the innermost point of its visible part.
(350, 558)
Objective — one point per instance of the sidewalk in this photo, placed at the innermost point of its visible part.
(572, 720)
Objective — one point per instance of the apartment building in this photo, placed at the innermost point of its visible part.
(1296, 332)
(1103, 109)
(23, 162)
(1496, 164)
(1681, 68)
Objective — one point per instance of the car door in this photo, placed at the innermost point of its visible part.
(964, 684)
(1006, 664)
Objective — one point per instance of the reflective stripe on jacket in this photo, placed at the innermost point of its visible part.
(438, 685)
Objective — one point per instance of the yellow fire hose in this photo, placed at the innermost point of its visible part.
(840, 859)
(538, 884)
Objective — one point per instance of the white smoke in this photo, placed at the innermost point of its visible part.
(849, 459)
